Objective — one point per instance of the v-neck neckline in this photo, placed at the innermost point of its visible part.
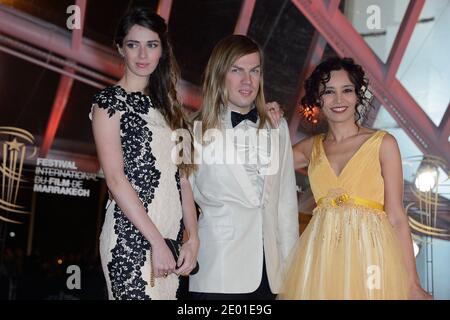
(349, 160)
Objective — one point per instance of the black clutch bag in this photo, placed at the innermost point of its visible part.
(175, 247)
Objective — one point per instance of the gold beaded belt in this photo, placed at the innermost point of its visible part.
(343, 198)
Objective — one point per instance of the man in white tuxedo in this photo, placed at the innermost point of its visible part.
(246, 190)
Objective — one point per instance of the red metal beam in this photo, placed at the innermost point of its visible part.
(51, 67)
(332, 6)
(77, 34)
(46, 36)
(64, 88)
(62, 95)
(245, 16)
(190, 94)
(402, 39)
(444, 126)
(27, 52)
(164, 8)
(346, 41)
(373, 113)
(315, 53)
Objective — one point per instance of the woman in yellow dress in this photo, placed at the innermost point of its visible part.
(358, 243)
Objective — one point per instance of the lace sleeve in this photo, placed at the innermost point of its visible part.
(108, 99)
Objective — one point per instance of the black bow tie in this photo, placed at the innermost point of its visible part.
(237, 118)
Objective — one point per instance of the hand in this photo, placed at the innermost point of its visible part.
(417, 293)
(188, 256)
(162, 260)
(275, 113)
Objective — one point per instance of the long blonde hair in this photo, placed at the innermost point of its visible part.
(215, 95)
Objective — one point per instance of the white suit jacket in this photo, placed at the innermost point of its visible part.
(235, 224)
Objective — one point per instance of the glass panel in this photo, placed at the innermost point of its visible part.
(408, 150)
(27, 94)
(195, 27)
(377, 21)
(52, 11)
(431, 269)
(434, 273)
(74, 132)
(284, 35)
(425, 70)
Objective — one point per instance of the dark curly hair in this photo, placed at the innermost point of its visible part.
(316, 83)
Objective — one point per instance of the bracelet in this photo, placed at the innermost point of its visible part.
(152, 275)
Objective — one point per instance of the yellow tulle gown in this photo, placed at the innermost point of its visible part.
(349, 249)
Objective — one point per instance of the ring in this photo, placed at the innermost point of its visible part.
(165, 274)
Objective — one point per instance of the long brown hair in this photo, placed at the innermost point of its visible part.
(161, 87)
(215, 95)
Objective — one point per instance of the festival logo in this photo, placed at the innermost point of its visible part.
(17, 146)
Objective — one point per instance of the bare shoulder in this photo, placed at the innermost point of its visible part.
(389, 147)
(366, 133)
(389, 142)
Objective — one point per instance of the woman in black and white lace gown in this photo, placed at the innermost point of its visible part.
(133, 123)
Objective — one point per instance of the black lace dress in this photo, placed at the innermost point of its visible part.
(147, 146)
